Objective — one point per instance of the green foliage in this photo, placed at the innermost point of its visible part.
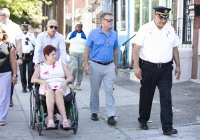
(30, 10)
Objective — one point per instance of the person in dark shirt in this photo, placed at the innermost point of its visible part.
(8, 74)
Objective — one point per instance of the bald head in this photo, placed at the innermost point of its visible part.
(52, 26)
(52, 22)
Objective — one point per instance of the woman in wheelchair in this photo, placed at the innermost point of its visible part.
(53, 77)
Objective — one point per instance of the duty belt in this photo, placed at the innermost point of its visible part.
(158, 65)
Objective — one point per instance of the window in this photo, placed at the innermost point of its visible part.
(123, 15)
(137, 15)
(186, 24)
(144, 12)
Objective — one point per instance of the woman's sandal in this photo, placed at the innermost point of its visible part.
(65, 124)
(50, 125)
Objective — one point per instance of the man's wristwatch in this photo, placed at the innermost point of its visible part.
(15, 75)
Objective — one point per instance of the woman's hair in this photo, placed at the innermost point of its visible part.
(5, 36)
(48, 49)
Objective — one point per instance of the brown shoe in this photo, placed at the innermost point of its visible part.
(11, 103)
(72, 87)
(77, 88)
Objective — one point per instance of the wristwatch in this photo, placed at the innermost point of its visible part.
(15, 75)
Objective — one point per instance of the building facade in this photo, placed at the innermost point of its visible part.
(129, 15)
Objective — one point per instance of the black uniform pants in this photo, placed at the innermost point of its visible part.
(27, 64)
(153, 76)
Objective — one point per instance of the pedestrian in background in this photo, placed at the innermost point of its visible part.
(50, 37)
(77, 40)
(102, 51)
(154, 51)
(28, 43)
(14, 34)
(8, 74)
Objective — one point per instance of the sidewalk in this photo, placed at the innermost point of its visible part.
(127, 97)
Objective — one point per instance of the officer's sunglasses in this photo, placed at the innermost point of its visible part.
(163, 17)
(55, 27)
(108, 20)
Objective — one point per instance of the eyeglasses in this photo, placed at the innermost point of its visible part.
(2, 15)
(55, 27)
(163, 17)
(108, 20)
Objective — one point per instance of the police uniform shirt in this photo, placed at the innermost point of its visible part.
(157, 45)
(27, 46)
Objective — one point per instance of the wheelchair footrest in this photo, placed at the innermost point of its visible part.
(51, 128)
(67, 128)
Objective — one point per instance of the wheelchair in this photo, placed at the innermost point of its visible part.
(38, 111)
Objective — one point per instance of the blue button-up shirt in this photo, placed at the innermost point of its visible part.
(43, 39)
(102, 45)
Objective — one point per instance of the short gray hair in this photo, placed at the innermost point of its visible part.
(105, 14)
(5, 11)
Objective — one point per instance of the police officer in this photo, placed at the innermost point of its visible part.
(154, 51)
(28, 42)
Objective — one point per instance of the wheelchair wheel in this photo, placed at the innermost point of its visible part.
(40, 129)
(75, 117)
(32, 112)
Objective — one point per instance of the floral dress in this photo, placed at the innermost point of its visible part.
(54, 75)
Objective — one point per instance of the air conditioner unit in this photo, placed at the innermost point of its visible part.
(121, 25)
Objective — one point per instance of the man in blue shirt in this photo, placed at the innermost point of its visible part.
(102, 51)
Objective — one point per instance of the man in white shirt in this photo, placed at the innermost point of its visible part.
(28, 43)
(50, 37)
(154, 51)
(77, 40)
(14, 34)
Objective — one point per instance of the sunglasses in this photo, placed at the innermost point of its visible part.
(163, 17)
(55, 27)
(108, 20)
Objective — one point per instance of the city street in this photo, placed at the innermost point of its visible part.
(186, 108)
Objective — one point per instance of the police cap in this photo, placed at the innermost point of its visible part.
(24, 23)
(162, 10)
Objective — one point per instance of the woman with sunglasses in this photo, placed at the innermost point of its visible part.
(8, 65)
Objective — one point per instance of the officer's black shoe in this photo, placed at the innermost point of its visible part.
(170, 131)
(24, 91)
(143, 126)
(94, 117)
(111, 120)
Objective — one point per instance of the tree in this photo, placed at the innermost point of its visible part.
(30, 10)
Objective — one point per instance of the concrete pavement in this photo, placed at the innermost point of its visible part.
(186, 103)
